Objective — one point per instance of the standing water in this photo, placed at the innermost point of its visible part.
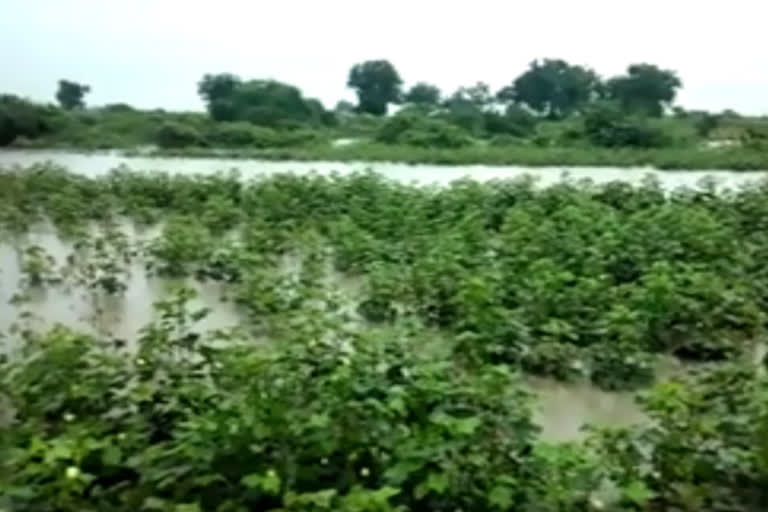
(562, 409)
(96, 164)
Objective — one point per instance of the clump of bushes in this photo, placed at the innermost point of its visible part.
(323, 421)
(413, 129)
(172, 135)
(607, 126)
(20, 118)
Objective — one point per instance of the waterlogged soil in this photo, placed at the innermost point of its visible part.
(100, 163)
(561, 411)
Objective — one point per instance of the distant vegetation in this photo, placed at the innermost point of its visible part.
(553, 109)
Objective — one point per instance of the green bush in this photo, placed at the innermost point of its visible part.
(231, 135)
(177, 135)
(705, 447)
(361, 423)
(608, 127)
(413, 129)
(20, 118)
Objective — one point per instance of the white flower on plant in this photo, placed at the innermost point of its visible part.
(365, 472)
(69, 417)
(72, 472)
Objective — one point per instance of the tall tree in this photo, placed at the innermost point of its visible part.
(377, 84)
(553, 88)
(217, 91)
(645, 89)
(70, 95)
(423, 93)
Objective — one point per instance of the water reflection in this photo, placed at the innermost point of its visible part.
(77, 307)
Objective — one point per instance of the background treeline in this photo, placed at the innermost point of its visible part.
(553, 104)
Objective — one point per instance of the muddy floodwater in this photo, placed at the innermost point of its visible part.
(561, 410)
(95, 164)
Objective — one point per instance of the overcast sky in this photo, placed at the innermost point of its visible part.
(151, 53)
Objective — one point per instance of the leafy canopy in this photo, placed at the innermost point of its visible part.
(377, 84)
(70, 95)
(645, 89)
(553, 88)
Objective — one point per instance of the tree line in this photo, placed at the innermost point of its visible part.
(612, 111)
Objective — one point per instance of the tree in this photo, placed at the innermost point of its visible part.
(377, 84)
(217, 92)
(423, 94)
(466, 107)
(20, 118)
(263, 102)
(478, 95)
(645, 89)
(70, 94)
(553, 88)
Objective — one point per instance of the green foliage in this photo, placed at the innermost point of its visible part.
(553, 88)
(377, 84)
(515, 121)
(354, 423)
(423, 94)
(414, 129)
(607, 126)
(262, 102)
(176, 135)
(403, 394)
(70, 95)
(21, 118)
(645, 89)
(705, 448)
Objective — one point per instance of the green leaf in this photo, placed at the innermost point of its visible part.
(501, 497)
(437, 482)
(112, 455)
(638, 493)
(252, 481)
(319, 420)
(153, 503)
(269, 482)
(467, 426)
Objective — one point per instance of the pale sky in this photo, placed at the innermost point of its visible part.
(151, 53)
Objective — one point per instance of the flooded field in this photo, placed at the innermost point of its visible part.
(49, 279)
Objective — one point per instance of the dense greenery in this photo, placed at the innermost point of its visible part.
(377, 84)
(70, 95)
(406, 395)
(553, 113)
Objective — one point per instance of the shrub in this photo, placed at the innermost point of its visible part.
(608, 127)
(176, 135)
(231, 135)
(320, 423)
(416, 130)
(514, 121)
(20, 118)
